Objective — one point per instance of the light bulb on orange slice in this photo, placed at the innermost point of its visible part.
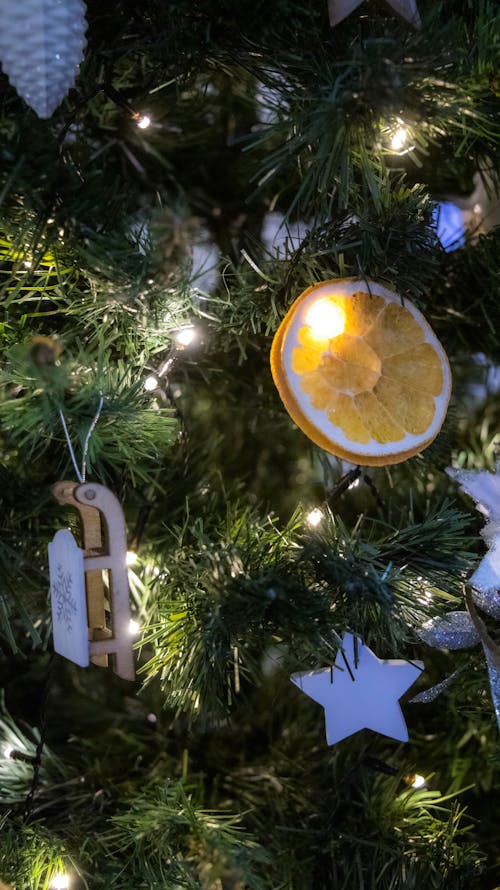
(361, 373)
(325, 318)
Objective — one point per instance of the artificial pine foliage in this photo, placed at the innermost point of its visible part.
(151, 267)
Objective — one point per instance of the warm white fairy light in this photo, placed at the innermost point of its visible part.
(131, 557)
(399, 138)
(186, 336)
(326, 319)
(314, 517)
(417, 781)
(60, 882)
(133, 627)
(144, 122)
(7, 751)
(150, 383)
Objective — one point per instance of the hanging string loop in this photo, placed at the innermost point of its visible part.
(80, 474)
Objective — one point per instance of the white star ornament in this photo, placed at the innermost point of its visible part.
(340, 9)
(360, 692)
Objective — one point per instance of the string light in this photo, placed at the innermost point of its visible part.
(326, 319)
(417, 781)
(150, 383)
(399, 139)
(165, 367)
(186, 336)
(142, 120)
(60, 882)
(7, 751)
(131, 557)
(314, 517)
(133, 627)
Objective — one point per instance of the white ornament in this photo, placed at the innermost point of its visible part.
(360, 692)
(67, 594)
(340, 9)
(41, 47)
(484, 487)
(105, 551)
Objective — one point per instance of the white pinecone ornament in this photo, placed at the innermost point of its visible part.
(41, 47)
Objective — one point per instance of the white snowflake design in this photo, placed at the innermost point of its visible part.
(66, 605)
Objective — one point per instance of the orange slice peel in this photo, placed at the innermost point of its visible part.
(361, 372)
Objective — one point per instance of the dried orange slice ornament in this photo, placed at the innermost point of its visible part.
(360, 372)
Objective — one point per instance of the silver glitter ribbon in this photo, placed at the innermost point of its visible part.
(493, 663)
(428, 695)
(459, 630)
(455, 630)
(488, 601)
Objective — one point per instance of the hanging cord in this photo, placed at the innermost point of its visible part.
(80, 475)
(37, 762)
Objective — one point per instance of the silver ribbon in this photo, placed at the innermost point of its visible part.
(459, 630)
(428, 695)
(454, 631)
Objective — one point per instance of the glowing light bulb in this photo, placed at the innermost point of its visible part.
(417, 781)
(166, 365)
(133, 627)
(7, 751)
(144, 122)
(60, 882)
(150, 383)
(326, 319)
(314, 517)
(399, 139)
(131, 557)
(186, 336)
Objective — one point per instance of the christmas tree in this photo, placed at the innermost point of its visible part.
(295, 545)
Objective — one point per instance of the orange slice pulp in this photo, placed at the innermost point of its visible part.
(361, 372)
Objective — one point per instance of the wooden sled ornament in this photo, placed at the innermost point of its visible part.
(105, 549)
